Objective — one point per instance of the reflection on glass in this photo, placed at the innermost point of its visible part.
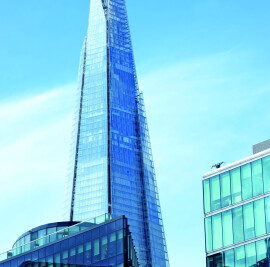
(249, 221)
(250, 254)
(238, 228)
(206, 195)
(229, 258)
(261, 247)
(267, 213)
(257, 179)
(236, 185)
(225, 189)
(266, 173)
(215, 193)
(208, 234)
(227, 228)
(240, 257)
(217, 231)
(259, 214)
(246, 181)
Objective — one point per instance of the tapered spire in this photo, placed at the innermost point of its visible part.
(113, 168)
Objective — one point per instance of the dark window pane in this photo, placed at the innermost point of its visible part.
(112, 245)
(104, 248)
(120, 242)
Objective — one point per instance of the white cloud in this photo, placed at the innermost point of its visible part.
(34, 149)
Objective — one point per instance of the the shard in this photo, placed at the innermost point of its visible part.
(113, 171)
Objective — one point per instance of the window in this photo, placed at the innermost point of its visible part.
(249, 227)
(225, 189)
(215, 193)
(246, 181)
(251, 255)
(257, 179)
(240, 257)
(227, 228)
(261, 247)
(206, 194)
(266, 173)
(208, 233)
(229, 258)
(217, 231)
(236, 185)
(238, 231)
(259, 213)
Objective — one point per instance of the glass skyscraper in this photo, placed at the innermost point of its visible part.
(113, 171)
(237, 213)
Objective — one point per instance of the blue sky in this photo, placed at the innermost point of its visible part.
(204, 68)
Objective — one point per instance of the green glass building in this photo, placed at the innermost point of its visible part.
(237, 212)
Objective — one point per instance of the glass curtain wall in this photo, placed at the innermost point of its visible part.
(114, 170)
(250, 255)
(238, 184)
(238, 224)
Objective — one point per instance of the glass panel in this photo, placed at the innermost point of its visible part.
(240, 256)
(206, 194)
(104, 247)
(267, 213)
(215, 193)
(112, 245)
(249, 226)
(259, 214)
(266, 173)
(238, 228)
(120, 242)
(229, 258)
(96, 250)
(257, 177)
(261, 247)
(250, 254)
(225, 189)
(246, 181)
(227, 228)
(217, 231)
(208, 234)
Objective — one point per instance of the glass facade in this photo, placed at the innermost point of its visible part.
(238, 184)
(237, 224)
(237, 214)
(250, 255)
(114, 170)
(108, 244)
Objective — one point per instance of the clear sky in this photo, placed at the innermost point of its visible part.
(204, 68)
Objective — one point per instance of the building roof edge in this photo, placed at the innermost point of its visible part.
(236, 164)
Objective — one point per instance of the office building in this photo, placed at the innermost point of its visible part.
(237, 211)
(96, 242)
(113, 167)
